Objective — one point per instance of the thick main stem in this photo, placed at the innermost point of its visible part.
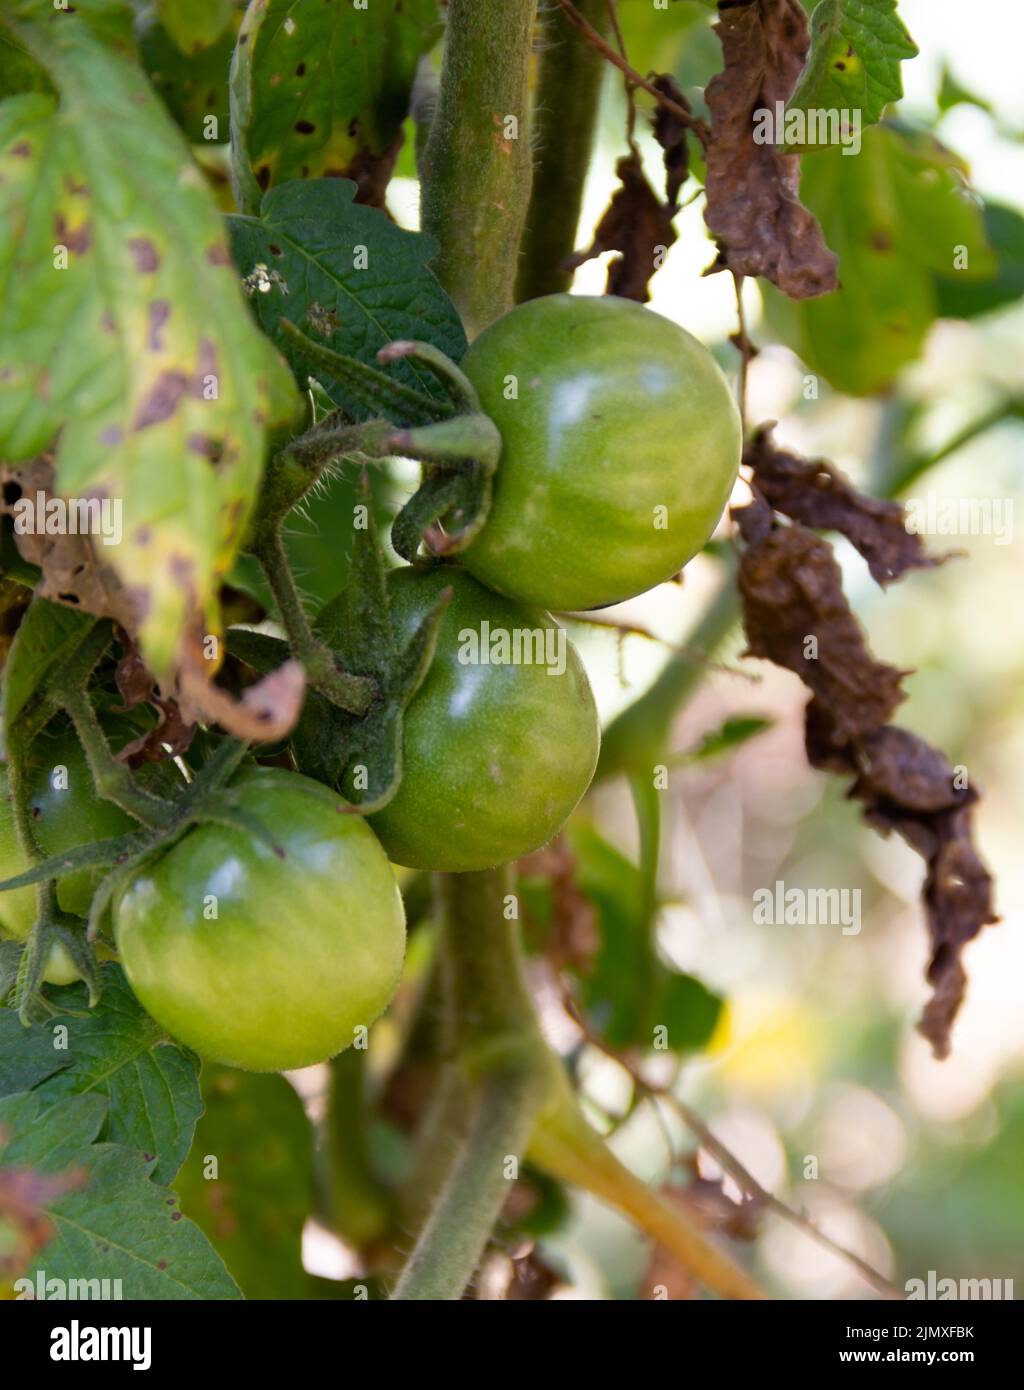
(568, 97)
(500, 1079)
(477, 164)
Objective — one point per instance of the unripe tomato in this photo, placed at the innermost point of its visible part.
(260, 960)
(495, 753)
(620, 446)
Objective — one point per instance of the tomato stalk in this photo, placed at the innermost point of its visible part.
(569, 81)
(501, 1078)
(477, 164)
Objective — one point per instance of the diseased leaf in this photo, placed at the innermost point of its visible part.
(753, 207)
(118, 1223)
(254, 1209)
(118, 1051)
(897, 215)
(346, 277)
(857, 47)
(323, 90)
(193, 86)
(140, 353)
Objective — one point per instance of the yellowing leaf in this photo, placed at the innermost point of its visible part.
(124, 332)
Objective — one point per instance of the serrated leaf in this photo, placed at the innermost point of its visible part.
(140, 352)
(255, 1207)
(857, 47)
(194, 24)
(119, 1224)
(324, 90)
(346, 277)
(897, 214)
(116, 1050)
(47, 636)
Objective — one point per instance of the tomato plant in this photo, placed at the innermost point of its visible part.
(620, 446)
(347, 896)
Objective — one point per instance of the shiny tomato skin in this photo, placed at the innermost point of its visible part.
(495, 756)
(619, 450)
(260, 961)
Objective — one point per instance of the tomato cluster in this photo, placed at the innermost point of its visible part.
(620, 444)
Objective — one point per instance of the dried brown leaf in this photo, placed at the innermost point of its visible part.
(815, 493)
(753, 206)
(791, 591)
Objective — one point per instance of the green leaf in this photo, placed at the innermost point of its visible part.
(152, 1082)
(254, 1208)
(19, 71)
(141, 352)
(193, 88)
(323, 89)
(115, 1050)
(346, 277)
(119, 1224)
(689, 1012)
(27, 1055)
(897, 214)
(48, 634)
(731, 733)
(194, 24)
(963, 297)
(854, 63)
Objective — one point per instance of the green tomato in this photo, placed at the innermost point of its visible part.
(619, 450)
(262, 961)
(496, 753)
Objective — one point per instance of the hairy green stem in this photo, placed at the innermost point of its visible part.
(114, 782)
(500, 1078)
(568, 98)
(453, 1240)
(477, 173)
(347, 692)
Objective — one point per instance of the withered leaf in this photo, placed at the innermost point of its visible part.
(791, 590)
(573, 938)
(753, 206)
(796, 614)
(815, 493)
(907, 786)
(636, 222)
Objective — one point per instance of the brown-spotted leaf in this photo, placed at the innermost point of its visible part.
(817, 494)
(124, 333)
(753, 205)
